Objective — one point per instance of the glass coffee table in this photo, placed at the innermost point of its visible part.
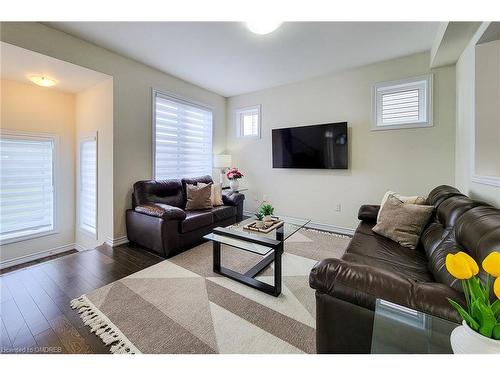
(268, 245)
(400, 330)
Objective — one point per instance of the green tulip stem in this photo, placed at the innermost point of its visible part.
(465, 287)
(488, 289)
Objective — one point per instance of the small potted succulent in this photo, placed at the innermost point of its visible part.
(267, 210)
(480, 329)
(259, 223)
(233, 175)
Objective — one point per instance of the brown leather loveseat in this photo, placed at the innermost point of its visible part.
(376, 267)
(158, 221)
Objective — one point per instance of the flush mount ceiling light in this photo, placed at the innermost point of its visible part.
(42, 80)
(263, 26)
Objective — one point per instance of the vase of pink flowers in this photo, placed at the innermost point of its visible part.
(233, 175)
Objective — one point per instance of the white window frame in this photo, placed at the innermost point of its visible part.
(38, 136)
(239, 124)
(83, 229)
(423, 83)
(174, 97)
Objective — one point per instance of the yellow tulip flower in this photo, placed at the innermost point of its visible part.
(496, 287)
(491, 264)
(461, 265)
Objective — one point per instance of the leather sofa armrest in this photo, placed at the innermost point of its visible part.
(232, 198)
(160, 210)
(363, 284)
(368, 212)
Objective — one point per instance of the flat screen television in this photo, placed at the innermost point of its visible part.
(311, 147)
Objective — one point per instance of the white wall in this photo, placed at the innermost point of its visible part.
(487, 101)
(410, 161)
(94, 114)
(132, 83)
(465, 78)
(30, 108)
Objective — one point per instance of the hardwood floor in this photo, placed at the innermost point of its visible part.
(35, 316)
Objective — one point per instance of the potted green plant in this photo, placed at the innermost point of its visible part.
(267, 210)
(480, 329)
(259, 223)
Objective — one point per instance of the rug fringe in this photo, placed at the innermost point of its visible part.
(328, 233)
(102, 327)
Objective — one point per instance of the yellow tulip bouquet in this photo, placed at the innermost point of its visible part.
(480, 314)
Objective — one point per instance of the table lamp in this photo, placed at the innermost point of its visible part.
(223, 162)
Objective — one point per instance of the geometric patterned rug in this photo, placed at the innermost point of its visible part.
(180, 306)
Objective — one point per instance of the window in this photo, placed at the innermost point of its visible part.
(182, 138)
(248, 122)
(88, 185)
(27, 195)
(403, 104)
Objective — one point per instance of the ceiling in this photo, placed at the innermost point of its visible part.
(18, 64)
(225, 57)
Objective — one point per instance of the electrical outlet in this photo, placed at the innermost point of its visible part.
(338, 207)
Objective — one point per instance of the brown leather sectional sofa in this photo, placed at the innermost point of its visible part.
(158, 221)
(376, 267)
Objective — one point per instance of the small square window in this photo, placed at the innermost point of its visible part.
(403, 104)
(248, 122)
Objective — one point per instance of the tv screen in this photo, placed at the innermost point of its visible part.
(311, 147)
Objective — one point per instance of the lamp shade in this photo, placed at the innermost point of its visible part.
(222, 161)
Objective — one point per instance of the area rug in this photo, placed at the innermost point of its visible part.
(181, 306)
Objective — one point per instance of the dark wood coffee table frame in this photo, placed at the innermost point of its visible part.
(248, 278)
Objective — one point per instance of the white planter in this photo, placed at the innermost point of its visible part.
(465, 340)
(268, 218)
(259, 224)
(234, 185)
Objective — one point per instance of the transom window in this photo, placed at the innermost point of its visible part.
(182, 138)
(27, 186)
(403, 104)
(248, 122)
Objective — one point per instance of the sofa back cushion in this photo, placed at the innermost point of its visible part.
(162, 191)
(440, 237)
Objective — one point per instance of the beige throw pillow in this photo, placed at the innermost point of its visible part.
(198, 197)
(403, 222)
(405, 199)
(216, 195)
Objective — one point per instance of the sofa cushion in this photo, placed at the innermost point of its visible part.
(196, 219)
(194, 181)
(403, 222)
(223, 212)
(368, 247)
(164, 191)
(198, 197)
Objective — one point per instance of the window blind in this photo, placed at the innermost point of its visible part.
(400, 107)
(88, 185)
(26, 185)
(183, 139)
(250, 121)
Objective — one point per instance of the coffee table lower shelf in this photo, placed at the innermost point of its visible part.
(248, 278)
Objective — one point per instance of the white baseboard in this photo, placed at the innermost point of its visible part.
(79, 247)
(320, 226)
(113, 242)
(41, 254)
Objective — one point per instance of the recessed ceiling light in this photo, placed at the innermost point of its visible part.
(42, 80)
(263, 26)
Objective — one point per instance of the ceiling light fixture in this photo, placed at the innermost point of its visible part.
(263, 27)
(42, 80)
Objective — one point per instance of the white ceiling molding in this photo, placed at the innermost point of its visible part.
(451, 40)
